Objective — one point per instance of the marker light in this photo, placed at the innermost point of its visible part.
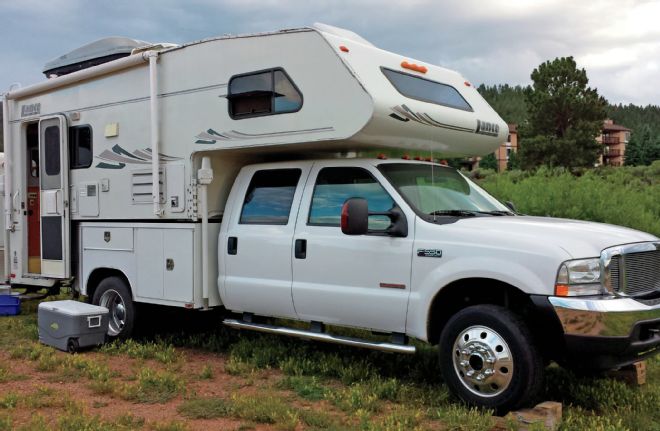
(342, 48)
(413, 66)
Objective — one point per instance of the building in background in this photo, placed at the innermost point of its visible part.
(505, 150)
(614, 138)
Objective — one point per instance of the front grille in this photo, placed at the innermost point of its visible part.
(636, 274)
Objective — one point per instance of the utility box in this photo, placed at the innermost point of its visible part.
(69, 325)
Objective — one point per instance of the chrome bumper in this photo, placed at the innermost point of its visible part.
(604, 317)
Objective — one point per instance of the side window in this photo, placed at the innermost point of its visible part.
(269, 197)
(52, 150)
(261, 93)
(335, 185)
(80, 147)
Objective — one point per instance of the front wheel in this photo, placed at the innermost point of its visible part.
(488, 358)
(113, 294)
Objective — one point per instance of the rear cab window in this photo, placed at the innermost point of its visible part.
(269, 197)
(425, 90)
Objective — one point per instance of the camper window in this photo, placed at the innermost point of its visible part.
(52, 150)
(262, 93)
(80, 147)
(269, 197)
(426, 90)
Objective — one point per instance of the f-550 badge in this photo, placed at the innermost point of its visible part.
(429, 252)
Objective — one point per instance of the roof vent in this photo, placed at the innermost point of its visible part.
(92, 54)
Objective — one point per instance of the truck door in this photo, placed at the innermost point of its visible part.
(257, 246)
(361, 281)
(54, 199)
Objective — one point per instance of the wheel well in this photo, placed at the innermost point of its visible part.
(472, 291)
(101, 273)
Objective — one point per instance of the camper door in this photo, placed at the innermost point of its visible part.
(54, 190)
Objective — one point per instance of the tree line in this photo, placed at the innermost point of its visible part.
(559, 115)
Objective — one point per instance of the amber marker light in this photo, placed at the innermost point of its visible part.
(561, 290)
(413, 66)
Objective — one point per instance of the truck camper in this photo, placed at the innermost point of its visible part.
(215, 174)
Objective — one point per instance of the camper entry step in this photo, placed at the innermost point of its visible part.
(69, 325)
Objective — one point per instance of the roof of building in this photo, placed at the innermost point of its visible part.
(611, 127)
(513, 128)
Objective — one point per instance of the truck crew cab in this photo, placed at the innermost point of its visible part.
(223, 173)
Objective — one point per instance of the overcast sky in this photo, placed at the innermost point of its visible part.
(489, 41)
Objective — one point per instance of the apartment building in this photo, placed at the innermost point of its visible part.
(614, 138)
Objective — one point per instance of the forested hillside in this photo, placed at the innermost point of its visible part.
(510, 103)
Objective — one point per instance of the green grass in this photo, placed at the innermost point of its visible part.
(205, 408)
(147, 350)
(152, 387)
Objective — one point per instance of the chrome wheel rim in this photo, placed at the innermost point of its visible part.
(112, 300)
(482, 361)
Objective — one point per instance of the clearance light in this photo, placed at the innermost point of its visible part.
(382, 156)
(413, 66)
(405, 157)
(12, 275)
(428, 159)
(342, 48)
(444, 163)
(418, 158)
(467, 84)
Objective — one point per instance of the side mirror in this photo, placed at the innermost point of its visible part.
(511, 206)
(355, 217)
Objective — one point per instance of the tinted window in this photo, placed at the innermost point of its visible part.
(269, 197)
(80, 147)
(425, 90)
(335, 185)
(52, 150)
(262, 93)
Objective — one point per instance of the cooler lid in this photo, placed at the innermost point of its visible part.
(72, 308)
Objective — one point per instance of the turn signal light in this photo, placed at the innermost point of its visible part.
(561, 290)
(413, 66)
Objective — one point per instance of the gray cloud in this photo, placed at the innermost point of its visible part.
(499, 41)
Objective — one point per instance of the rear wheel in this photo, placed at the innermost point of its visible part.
(489, 359)
(113, 294)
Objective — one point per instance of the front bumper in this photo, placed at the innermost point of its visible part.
(607, 332)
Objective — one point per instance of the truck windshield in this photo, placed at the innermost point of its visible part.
(437, 191)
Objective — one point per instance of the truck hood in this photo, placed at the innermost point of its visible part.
(580, 239)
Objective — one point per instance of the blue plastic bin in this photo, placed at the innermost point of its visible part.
(10, 305)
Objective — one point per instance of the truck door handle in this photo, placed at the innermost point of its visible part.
(232, 245)
(301, 249)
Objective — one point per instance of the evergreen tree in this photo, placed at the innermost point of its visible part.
(514, 162)
(565, 116)
(643, 148)
(488, 162)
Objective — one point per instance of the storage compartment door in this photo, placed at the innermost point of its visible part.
(54, 186)
(178, 274)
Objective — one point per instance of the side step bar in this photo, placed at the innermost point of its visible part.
(316, 336)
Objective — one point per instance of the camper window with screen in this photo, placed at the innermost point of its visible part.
(426, 90)
(80, 147)
(262, 93)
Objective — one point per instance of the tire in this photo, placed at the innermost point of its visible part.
(72, 345)
(114, 294)
(488, 358)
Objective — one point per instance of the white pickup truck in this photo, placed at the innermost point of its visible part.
(418, 250)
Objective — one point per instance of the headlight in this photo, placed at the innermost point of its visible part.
(578, 278)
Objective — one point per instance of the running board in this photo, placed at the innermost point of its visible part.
(316, 336)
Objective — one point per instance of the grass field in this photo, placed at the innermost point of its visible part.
(208, 377)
